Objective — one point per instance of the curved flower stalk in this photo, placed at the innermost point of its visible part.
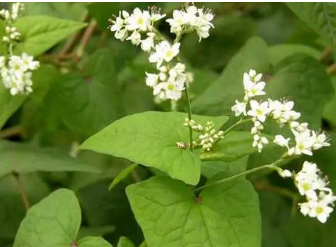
(171, 77)
(309, 181)
(16, 71)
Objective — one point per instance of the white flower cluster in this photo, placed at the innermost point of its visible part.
(208, 134)
(191, 19)
(311, 184)
(171, 77)
(16, 73)
(306, 140)
(10, 16)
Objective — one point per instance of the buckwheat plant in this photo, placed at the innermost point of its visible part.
(16, 71)
(309, 181)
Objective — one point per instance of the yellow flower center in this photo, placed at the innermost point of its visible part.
(306, 186)
(319, 210)
(171, 87)
(140, 21)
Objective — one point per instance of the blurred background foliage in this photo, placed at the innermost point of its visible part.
(91, 79)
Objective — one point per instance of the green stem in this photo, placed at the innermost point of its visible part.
(272, 166)
(236, 124)
(189, 116)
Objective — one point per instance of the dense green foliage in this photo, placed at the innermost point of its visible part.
(90, 159)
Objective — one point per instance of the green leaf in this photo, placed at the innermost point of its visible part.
(319, 16)
(170, 215)
(149, 139)
(62, 10)
(125, 242)
(122, 175)
(212, 168)
(40, 33)
(8, 103)
(94, 242)
(234, 146)
(11, 201)
(302, 79)
(53, 222)
(94, 96)
(25, 159)
(95, 231)
(2, 33)
(277, 53)
(219, 97)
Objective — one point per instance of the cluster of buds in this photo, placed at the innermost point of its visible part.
(311, 184)
(208, 135)
(10, 16)
(171, 77)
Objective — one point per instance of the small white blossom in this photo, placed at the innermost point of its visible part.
(164, 52)
(138, 20)
(320, 140)
(135, 38)
(258, 110)
(148, 43)
(191, 19)
(151, 79)
(239, 108)
(281, 141)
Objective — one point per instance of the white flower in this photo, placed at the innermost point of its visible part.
(259, 141)
(140, 20)
(251, 76)
(121, 34)
(118, 24)
(320, 140)
(320, 210)
(148, 43)
(304, 143)
(173, 90)
(164, 52)
(239, 108)
(258, 110)
(151, 79)
(16, 75)
(135, 38)
(281, 141)
(192, 19)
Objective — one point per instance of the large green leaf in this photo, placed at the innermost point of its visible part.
(94, 242)
(319, 16)
(54, 222)
(26, 159)
(212, 168)
(40, 33)
(150, 139)
(170, 215)
(87, 102)
(219, 97)
(277, 53)
(64, 10)
(302, 79)
(8, 103)
(234, 146)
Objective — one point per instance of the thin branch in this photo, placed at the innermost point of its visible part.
(331, 69)
(22, 190)
(86, 37)
(73, 38)
(326, 53)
